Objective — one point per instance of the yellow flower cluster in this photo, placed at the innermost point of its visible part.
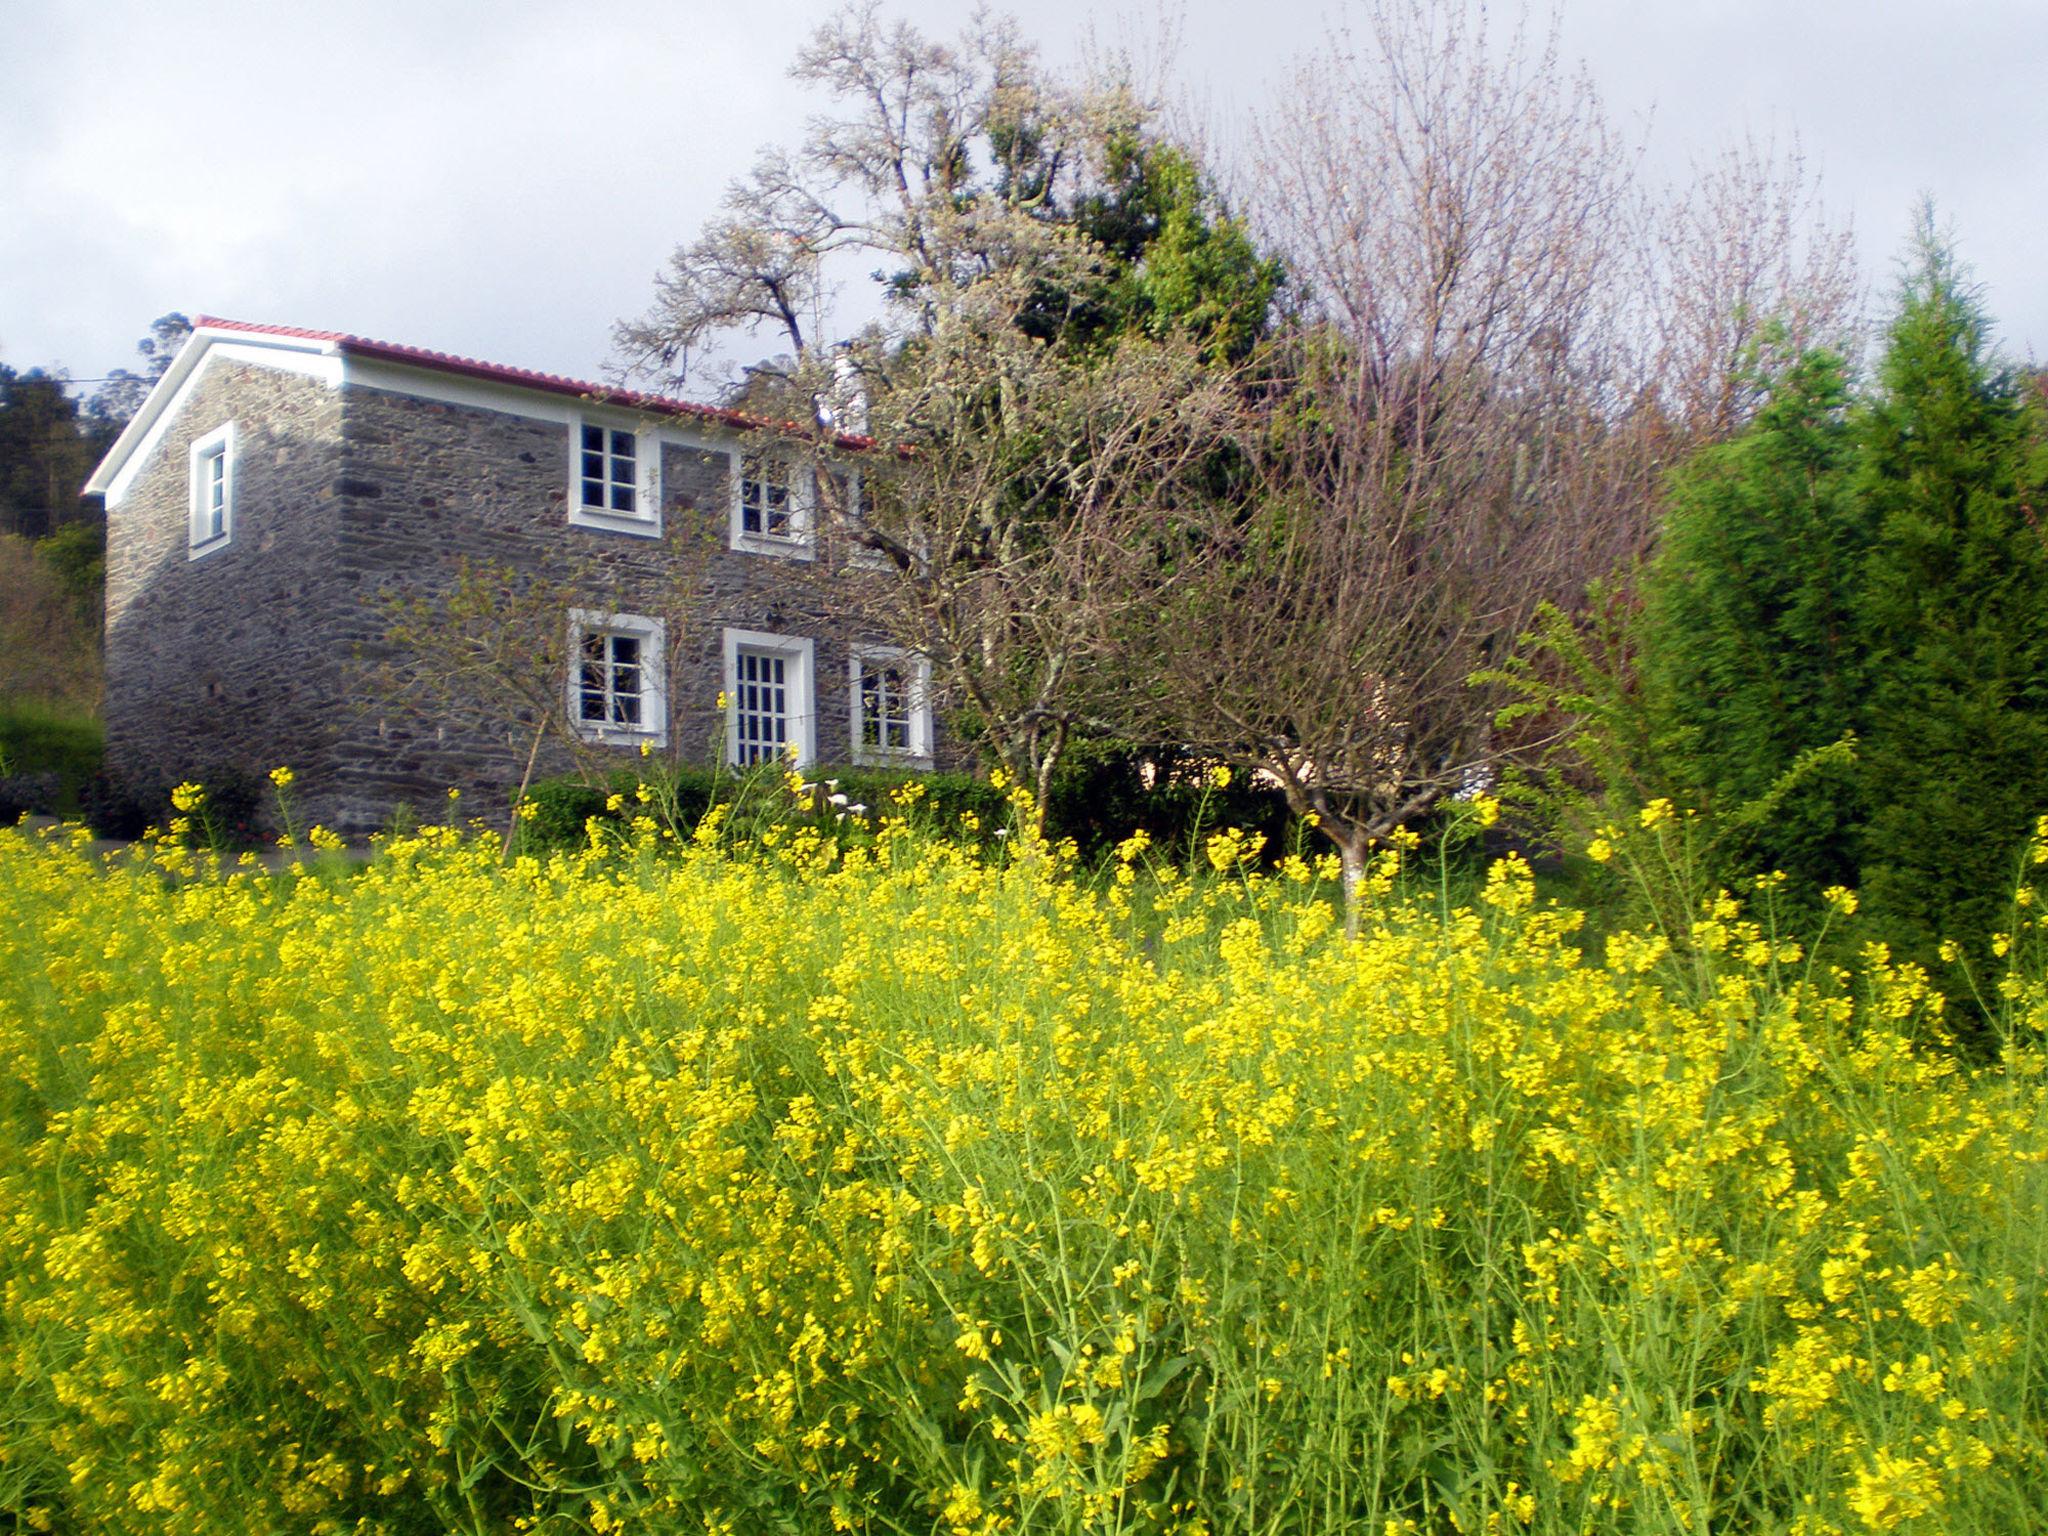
(682, 1186)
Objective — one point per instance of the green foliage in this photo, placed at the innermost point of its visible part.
(1751, 659)
(76, 554)
(48, 756)
(237, 810)
(1575, 698)
(1841, 659)
(680, 795)
(1180, 263)
(45, 455)
(1106, 791)
(49, 648)
(1103, 793)
(117, 400)
(1954, 613)
(38, 738)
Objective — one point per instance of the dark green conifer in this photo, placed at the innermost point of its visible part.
(1954, 616)
(1750, 657)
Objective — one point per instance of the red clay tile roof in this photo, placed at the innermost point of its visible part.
(525, 378)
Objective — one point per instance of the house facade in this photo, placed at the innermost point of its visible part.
(284, 494)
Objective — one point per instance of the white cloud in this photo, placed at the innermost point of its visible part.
(504, 179)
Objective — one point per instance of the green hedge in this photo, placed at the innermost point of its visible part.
(564, 806)
(47, 758)
(1100, 797)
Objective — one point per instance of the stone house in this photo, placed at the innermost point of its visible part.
(280, 488)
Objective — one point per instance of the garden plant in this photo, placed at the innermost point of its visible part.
(847, 1176)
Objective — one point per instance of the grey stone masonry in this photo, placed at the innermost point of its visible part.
(226, 663)
(350, 503)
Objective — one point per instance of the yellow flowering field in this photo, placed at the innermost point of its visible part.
(789, 1188)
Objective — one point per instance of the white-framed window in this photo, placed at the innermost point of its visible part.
(771, 697)
(618, 677)
(614, 477)
(890, 706)
(213, 491)
(773, 503)
(839, 492)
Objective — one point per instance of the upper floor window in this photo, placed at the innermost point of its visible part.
(615, 478)
(767, 505)
(892, 709)
(610, 470)
(618, 666)
(772, 505)
(213, 490)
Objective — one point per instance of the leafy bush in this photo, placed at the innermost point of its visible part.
(238, 808)
(1106, 791)
(29, 794)
(49, 645)
(59, 748)
(1105, 794)
(680, 796)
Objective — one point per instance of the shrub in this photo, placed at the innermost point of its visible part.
(238, 808)
(1105, 794)
(58, 748)
(757, 798)
(49, 649)
(1106, 791)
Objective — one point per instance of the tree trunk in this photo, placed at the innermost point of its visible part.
(519, 799)
(1351, 852)
(1046, 766)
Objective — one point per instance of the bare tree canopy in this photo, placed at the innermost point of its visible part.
(1063, 295)
(1494, 342)
(1029, 524)
(1454, 205)
(1750, 273)
(1452, 431)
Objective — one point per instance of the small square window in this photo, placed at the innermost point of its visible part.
(767, 508)
(891, 706)
(772, 505)
(617, 677)
(610, 475)
(614, 478)
(212, 522)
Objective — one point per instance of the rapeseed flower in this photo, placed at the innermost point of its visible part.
(764, 1183)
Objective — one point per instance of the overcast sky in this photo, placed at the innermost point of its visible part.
(503, 179)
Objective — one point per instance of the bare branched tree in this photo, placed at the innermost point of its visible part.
(1041, 397)
(1450, 436)
(1032, 515)
(1750, 271)
(936, 154)
(1455, 206)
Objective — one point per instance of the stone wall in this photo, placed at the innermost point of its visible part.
(224, 665)
(352, 506)
(431, 485)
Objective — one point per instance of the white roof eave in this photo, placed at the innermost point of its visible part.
(142, 429)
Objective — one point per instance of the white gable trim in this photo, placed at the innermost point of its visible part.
(319, 360)
(328, 362)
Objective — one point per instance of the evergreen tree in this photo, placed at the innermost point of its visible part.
(44, 456)
(1955, 622)
(1750, 659)
(1176, 258)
